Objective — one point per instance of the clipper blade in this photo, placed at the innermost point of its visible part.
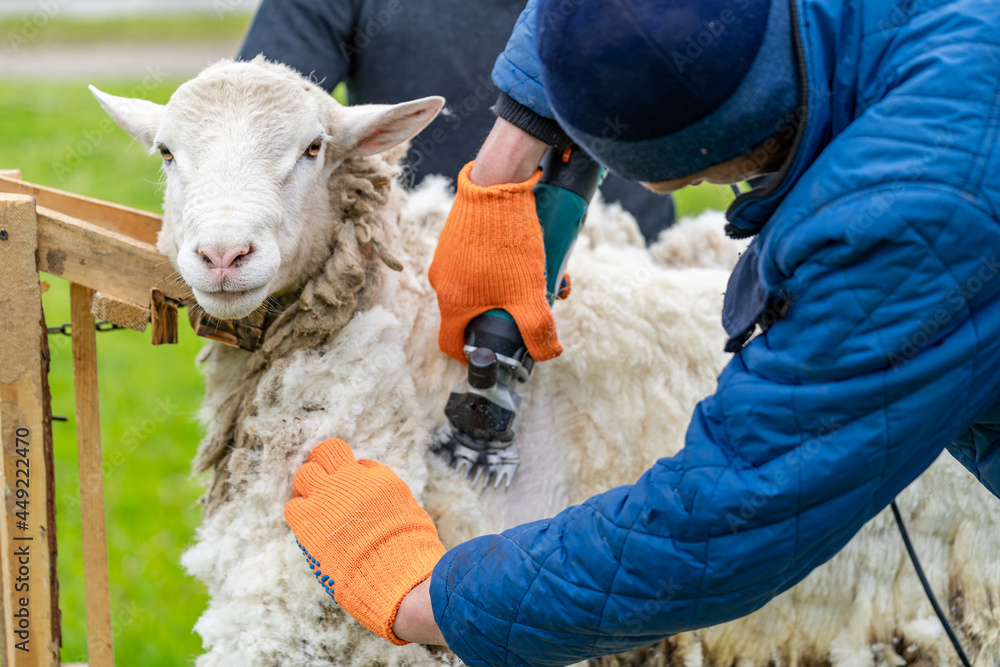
(482, 462)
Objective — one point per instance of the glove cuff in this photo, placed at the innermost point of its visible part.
(422, 570)
(470, 189)
(495, 216)
(375, 605)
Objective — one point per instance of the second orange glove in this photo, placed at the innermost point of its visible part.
(491, 255)
(364, 535)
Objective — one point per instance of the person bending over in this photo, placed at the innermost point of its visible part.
(868, 280)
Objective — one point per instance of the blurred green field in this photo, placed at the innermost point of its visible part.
(58, 136)
(40, 29)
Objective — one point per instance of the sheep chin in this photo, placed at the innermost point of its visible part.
(231, 305)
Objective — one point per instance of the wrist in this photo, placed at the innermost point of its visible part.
(414, 620)
(542, 128)
(509, 155)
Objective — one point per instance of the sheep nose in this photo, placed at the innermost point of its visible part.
(225, 258)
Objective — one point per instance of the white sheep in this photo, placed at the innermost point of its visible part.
(276, 190)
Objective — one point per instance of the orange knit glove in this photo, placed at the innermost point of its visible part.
(491, 255)
(364, 535)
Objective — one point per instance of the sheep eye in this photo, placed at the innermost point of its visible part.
(167, 155)
(314, 148)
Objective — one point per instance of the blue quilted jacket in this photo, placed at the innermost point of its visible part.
(882, 239)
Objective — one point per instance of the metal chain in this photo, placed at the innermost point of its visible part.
(101, 326)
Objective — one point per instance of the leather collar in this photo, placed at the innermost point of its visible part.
(246, 333)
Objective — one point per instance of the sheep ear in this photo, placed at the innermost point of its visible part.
(374, 128)
(139, 118)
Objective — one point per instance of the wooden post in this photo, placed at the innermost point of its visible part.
(88, 436)
(27, 520)
(163, 313)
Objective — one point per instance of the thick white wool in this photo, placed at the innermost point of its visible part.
(594, 418)
(697, 242)
(642, 345)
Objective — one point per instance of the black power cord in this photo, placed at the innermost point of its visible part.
(927, 586)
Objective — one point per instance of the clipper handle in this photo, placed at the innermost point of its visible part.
(483, 411)
(568, 183)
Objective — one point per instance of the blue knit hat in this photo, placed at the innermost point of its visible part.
(661, 89)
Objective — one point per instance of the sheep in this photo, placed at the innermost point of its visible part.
(288, 199)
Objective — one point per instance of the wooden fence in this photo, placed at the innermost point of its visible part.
(108, 254)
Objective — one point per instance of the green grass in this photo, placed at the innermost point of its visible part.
(58, 136)
(40, 30)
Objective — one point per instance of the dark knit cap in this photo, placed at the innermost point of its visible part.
(661, 89)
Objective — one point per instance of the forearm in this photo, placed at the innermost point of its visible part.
(680, 549)
(517, 73)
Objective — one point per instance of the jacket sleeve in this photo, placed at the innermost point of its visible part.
(883, 357)
(315, 37)
(517, 71)
(518, 74)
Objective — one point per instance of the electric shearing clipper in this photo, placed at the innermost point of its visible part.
(482, 412)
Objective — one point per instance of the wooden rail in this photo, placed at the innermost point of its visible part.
(136, 224)
(107, 253)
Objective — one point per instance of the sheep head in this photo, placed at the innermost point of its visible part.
(248, 150)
